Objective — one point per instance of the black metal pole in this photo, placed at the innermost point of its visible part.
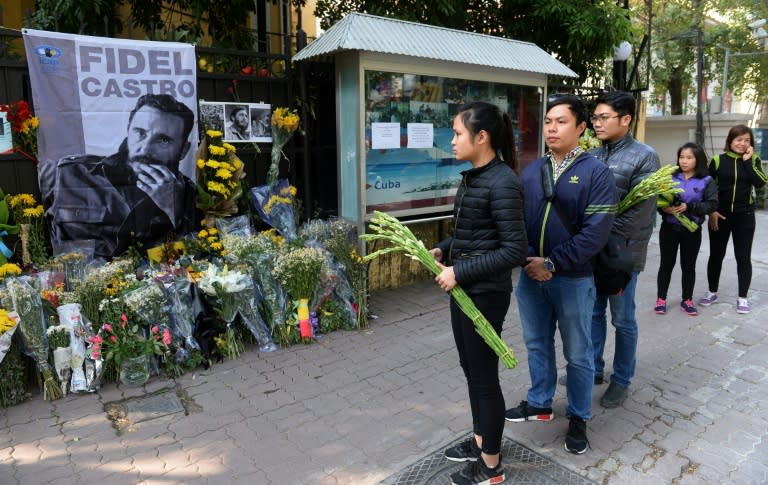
(301, 42)
(699, 85)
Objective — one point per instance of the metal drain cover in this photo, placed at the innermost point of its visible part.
(151, 407)
(521, 466)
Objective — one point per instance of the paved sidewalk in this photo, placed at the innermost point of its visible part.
(359, 407)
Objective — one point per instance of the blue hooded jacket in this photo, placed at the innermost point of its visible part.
(586, 192)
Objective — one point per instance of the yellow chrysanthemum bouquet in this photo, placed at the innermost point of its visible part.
(28, 214)
(285, 122)
(219, 172)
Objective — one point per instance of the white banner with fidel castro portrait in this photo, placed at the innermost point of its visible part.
(116, 141)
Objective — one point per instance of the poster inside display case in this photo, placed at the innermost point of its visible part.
(410, 168)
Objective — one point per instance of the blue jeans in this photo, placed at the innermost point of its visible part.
(544, 306)
(625, 322)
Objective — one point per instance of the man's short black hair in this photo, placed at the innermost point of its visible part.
(622, 102)
(235, 110)
(167, 104)
(574, 103)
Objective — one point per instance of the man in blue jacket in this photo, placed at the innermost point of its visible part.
(570, 202)
(631, 162)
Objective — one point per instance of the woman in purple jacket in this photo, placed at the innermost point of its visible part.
(699, 198)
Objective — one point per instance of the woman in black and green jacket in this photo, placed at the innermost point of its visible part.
(737, 172)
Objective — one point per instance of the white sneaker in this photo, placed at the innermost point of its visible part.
(742, 306)
(709, 298)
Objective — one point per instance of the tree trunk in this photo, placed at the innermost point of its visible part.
(675, 88)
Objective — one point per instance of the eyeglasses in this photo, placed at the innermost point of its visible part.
(602, 118)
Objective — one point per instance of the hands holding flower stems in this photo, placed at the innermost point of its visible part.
(402, 240)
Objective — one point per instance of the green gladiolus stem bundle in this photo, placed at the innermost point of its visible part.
(659, 183)
(666, 200)
(387, 228)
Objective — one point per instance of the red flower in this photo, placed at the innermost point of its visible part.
(112, 338)
(166, 337)
(155, 329)
(108, 327)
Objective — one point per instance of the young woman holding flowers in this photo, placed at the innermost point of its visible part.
(737, 172)
(488, 241)
(699, 198)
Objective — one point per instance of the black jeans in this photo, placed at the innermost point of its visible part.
(742, 226)
(672, 237)
(481, 367)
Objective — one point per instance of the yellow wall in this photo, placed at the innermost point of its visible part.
(14, 11)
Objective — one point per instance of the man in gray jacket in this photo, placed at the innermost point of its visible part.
(630, 161)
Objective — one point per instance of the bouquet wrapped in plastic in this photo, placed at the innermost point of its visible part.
(59, 342)
(285, 122)
(339, 237)
(249, 313)
(13, 385)
(71, 318)
(258, 252)
(225, 288)
(177, 289)
(274, 204)
(26, 301)
(299, 271)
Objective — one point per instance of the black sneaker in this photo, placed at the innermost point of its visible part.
(614, 396)
(478, 473)
(467, 450)
(524, 412)
(576, 439)
(563, 380)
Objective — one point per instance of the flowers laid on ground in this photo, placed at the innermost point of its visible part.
(226, 288)
(207, 242)
(274, 203)
(123, 339)
(9, 269)
(339, 238)
(23, 128)
(28, 214)
(13, 385)
(299, 272)
(387, 228)
(285, 122)
(59, 344)
(219, 175)
(26, 301)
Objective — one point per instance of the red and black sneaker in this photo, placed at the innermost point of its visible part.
(524, 412)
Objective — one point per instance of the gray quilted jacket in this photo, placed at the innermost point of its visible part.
(632, 161)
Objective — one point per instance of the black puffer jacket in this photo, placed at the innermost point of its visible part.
(631, 162)
(489, 237)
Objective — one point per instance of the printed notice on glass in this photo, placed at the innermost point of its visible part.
(6, 140)
(385, 135)
(421, 135)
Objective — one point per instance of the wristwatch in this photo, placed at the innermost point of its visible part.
(549, 265)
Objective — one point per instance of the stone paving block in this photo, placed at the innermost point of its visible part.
(712, 473)
(45, 475)
(197, 424)
(148, 464)
(33, 430)
(208, 446)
